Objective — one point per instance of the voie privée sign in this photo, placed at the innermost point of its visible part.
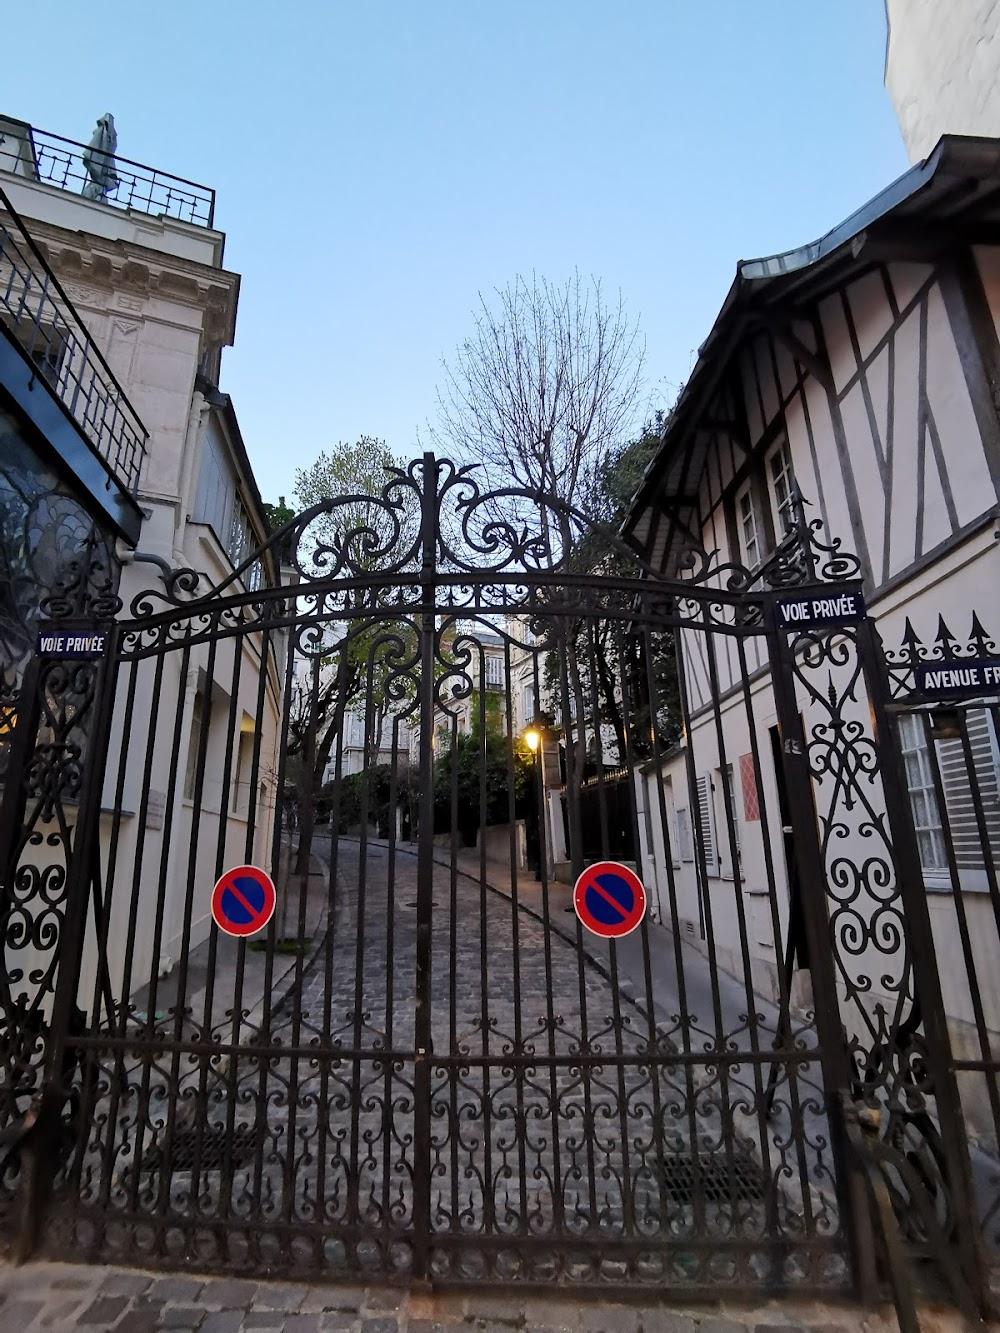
(821, 607)
(955, 680)
(72, 643)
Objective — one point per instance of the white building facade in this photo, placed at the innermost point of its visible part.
(941, 68)
(143, 269)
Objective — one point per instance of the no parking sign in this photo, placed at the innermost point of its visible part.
(243, 900)
(609, 899)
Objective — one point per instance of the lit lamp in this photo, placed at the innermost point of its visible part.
(533, 739)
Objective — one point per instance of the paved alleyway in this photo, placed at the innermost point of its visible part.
(57, 1297)
(295, 1151)
(328, 1138)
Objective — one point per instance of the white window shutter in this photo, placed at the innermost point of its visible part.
(706, 818)
(958, 796)
(684, 836)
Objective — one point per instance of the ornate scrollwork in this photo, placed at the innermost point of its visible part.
(372, 547)
(56, 565)
(947, 650)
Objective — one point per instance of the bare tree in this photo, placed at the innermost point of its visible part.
(546, 385)
(543, 392)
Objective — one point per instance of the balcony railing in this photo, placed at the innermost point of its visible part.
(53, 160)
(40, 317)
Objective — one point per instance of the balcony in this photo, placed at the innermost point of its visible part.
(53, 345)
(49, 159)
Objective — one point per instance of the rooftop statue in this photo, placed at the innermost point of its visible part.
(99, 159)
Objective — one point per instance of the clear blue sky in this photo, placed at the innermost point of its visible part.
(379, 162)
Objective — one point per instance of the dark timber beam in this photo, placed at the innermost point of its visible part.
(736, 431)
(781, 329)
(978, 347)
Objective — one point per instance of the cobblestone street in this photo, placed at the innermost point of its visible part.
(62, 1296)
(550, 1128)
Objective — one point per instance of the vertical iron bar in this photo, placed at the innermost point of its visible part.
(422, 1055)
(518, 1071)
(684, 1017)
(783, 1034)
(267, 1006)
(752, 1016)
(558, 1194)
(628, 1201)
(489, 1184)
(574, 723)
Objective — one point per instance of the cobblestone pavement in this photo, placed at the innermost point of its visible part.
(525, 1136)
(63, 1296)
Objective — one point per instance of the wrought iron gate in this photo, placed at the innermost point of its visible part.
(424, 1067)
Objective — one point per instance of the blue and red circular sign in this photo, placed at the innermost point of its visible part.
(609, 899)
(243, 900)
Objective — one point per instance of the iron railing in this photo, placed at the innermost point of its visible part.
(39, 316)
(53, 160)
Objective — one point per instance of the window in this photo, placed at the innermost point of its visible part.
(781, 483)
(46, 344)
(706, 815)
(684, 836)
(244, 765)
(194, 743)
(218, 504)
(963, 817)
(731, 787)
(529, 703)
(923, 802)
(494, 672)
(746, 519)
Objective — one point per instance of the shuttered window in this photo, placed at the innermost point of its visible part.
(706, 816)
(218, 503)
(958, 793)
(684, 836)
(731, 785)
(960, 799)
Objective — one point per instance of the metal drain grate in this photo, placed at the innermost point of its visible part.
(209, 1143)
(718, 1180)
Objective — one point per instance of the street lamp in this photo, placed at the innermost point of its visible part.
(533, 820)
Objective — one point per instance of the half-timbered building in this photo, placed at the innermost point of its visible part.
(853, 383)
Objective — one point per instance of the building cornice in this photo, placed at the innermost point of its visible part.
(124, 267)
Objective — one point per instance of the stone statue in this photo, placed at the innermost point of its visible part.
(99, 159)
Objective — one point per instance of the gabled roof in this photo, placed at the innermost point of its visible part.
(952, 197)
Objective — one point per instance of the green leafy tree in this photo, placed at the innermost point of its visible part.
(363, 663)
(277, 515)
(474, 771)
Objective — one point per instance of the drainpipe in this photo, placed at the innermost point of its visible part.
(186, 480)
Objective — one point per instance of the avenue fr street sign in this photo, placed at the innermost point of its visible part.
(959, 680)
(609, 899)
(243, 901)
